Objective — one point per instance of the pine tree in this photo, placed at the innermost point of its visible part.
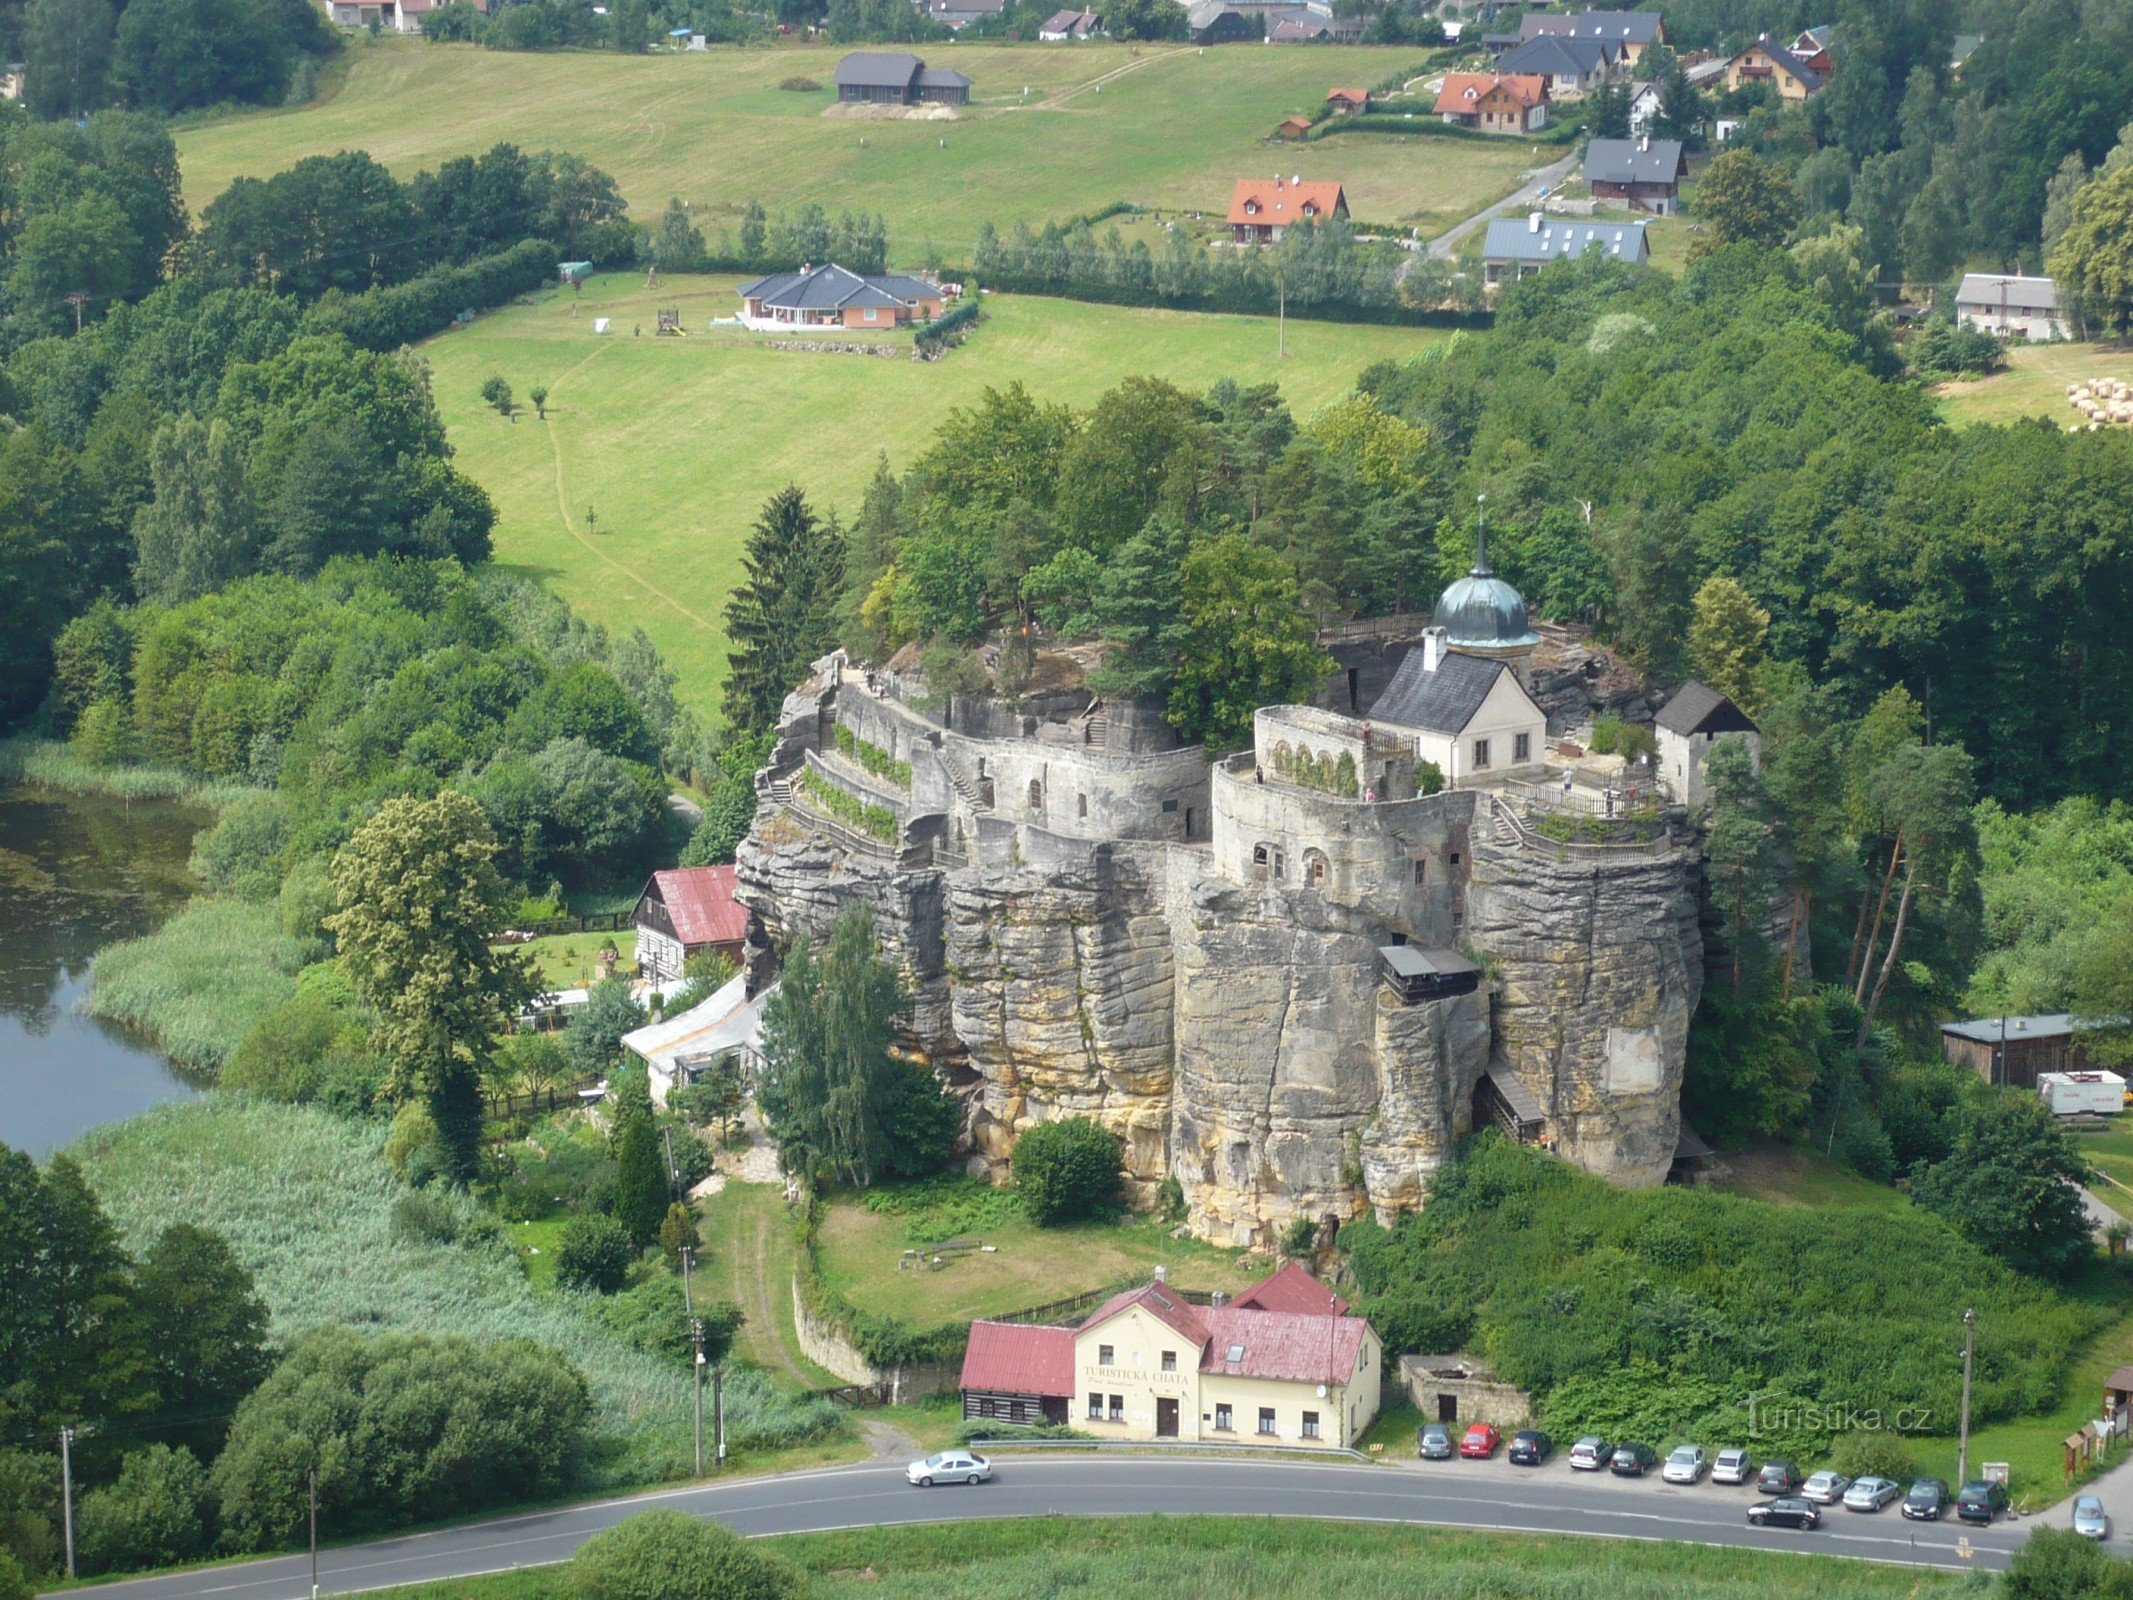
(642, 1194)
(780, 618)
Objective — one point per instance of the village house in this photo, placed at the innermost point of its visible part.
(830, 297)
(684, 912)
(1062, 26)
(2014, 1050)
(395, 16)
(2010, 305)
(1518, 247)
(679, 1049)
(956, 15)
(1221, 22)
(1812, 50)
(1644, 173)
(1685, 729)
(1634, 31)
(1347, 102)
(1768, 62)
(1494, 103)
(1284, 1363)
(1260, 212)
(897, 78)
(1573, 68)
(1646, 105)
(1309, 25)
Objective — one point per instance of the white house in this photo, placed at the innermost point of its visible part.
(1686, 728)
(1467, 714)
(2025, 308)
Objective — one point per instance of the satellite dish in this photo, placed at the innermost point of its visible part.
(1322, 1391)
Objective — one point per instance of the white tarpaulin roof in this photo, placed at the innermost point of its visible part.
(728, 1020)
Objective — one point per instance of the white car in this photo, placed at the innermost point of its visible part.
(1826, 1488)
(950, 1466)
(2089, 1518)
(1732, 1466)
(1871, 1494)
(1687, 1464)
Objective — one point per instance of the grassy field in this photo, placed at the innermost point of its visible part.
(1185, 1558)
(1797, 1175)
(859, 1251)
(1163, 126)
(570, 960)
(633, 499)
(2034, 384)
(750, 1253)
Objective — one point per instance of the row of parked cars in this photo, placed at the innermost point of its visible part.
(1796, 1501)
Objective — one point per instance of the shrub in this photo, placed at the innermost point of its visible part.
(387, 318)
(653, 1317)
(973, 1429)
(1068, 1170)
(400, 1426)
(14, 1582)
(592, 1043)
(594, 1255)
(153, 1516)
(285, 1056)
(1877, 1453)
(642, 1193)
(879, 821)
(669, 1555)
(411, 1147)
(800, 85)
(945, 1208)
(241, 854)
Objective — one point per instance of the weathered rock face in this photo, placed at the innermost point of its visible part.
(1598, 967)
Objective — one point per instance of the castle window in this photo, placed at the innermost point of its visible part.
(1522, 747)
(1081, 804)
(1481, 754)
(1421, 871)
(1455, 858)
(1036, 795)
(1281, 863)
(1169, 806)
(1314, 867)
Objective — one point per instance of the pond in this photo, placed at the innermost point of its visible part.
(78, 873)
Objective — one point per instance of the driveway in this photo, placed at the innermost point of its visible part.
(1546, 178)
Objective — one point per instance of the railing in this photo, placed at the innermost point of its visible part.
(598, 922)
(1165, 1446)
(1075, 1306)
(1400, 625)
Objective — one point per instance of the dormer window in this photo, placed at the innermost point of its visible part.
(1251, 208)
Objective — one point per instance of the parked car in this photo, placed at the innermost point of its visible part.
(2090, 1521)
(1479, 1442)
(1686, 1464)
(1633, 1460)
(1927, 1500)
(1778, 1477)
(1732, 1466)
(1435, 1442)
(950, 1466)
(1825, 1488)
(1530, 1447)
(1591, 1453)
(1784, 1513)
(1981, 1502)
(1871, 1493)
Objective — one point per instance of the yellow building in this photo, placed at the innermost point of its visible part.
(1768, 62)
(1284, 1363)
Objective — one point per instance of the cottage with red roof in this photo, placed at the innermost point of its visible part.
(685, 912)
(1284, 1363)
(1494, 102)
(1259, 213)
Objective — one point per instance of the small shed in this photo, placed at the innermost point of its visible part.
(573, 271)
(1293, 127)
(1511, 1106)
(1460, 1389)
(2014, 1050)
(1414, 974)
(1347, 102)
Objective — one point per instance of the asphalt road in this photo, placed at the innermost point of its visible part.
(1483, 1495)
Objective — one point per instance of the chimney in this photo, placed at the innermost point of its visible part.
(1644, 143)
(1295, 178)
(1432, 649)
(1533, 222)
(1162, 1274)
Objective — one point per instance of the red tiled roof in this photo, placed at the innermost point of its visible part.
(1353, 97)
(1167, 1307)
(700, 902)
(1291, 1289)
(1463, 90)
(1019, 1358)
(1279, 203)
(1282, 1344)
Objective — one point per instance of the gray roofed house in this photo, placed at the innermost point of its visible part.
(1061, 26)
(1443, 700)
(1572, 66)
(1687, 726)
(958, 14)
(1643, 173)
(829, 296)
(2006, 303)
(897, 78)
(1699, 708)
(1636, 31)
(1518, 247)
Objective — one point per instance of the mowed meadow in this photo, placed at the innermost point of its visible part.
(1165, 126)
(634, 498)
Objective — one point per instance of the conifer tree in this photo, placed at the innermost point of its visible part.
(780, 618)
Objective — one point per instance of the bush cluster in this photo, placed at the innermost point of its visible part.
(879, 821)
(1068, 1170)
(872, 757)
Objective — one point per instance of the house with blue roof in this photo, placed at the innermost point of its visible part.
(1518, 247)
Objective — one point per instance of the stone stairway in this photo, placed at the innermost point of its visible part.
(1096, 728)
(959, 780)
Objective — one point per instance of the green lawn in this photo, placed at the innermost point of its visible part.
(1798, 1175)
(1164, 126)
(860, 1251)
(570, 960)
(1260, 1558)
(749, 1251)
(633, 499)
(2034, 384)
(536, 1244)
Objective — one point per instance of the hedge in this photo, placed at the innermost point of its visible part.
(948, 329)
(1433, 127)
(387, 318)
(882, 1340)
(1247, 300)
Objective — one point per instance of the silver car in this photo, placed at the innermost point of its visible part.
(2090, 1519)
(1870, 1494)
(1732, 1466)
(1686, 1464)
(1826, 1488)
(950, 1466)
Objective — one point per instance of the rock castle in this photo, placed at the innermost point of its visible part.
(1292, 978)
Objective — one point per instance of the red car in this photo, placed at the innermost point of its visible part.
(1480, 1441)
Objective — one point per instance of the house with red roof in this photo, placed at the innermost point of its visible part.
(1259, 213)
(1494, 102)
(1284, 1363)
(684, 912)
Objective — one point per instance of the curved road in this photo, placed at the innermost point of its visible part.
(1477, 1495)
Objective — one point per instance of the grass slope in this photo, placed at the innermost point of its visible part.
(672, 445)
(2034, 384)
(1188, 1558)
(1163, 126)
(306, 1201)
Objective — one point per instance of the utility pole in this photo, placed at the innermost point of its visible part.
(312, 1476)
(688, 1298)
(718, 1408)
(1962, 1449)
(1281, 317)
(77, 300)
(66, 1492)
(696, 1336)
